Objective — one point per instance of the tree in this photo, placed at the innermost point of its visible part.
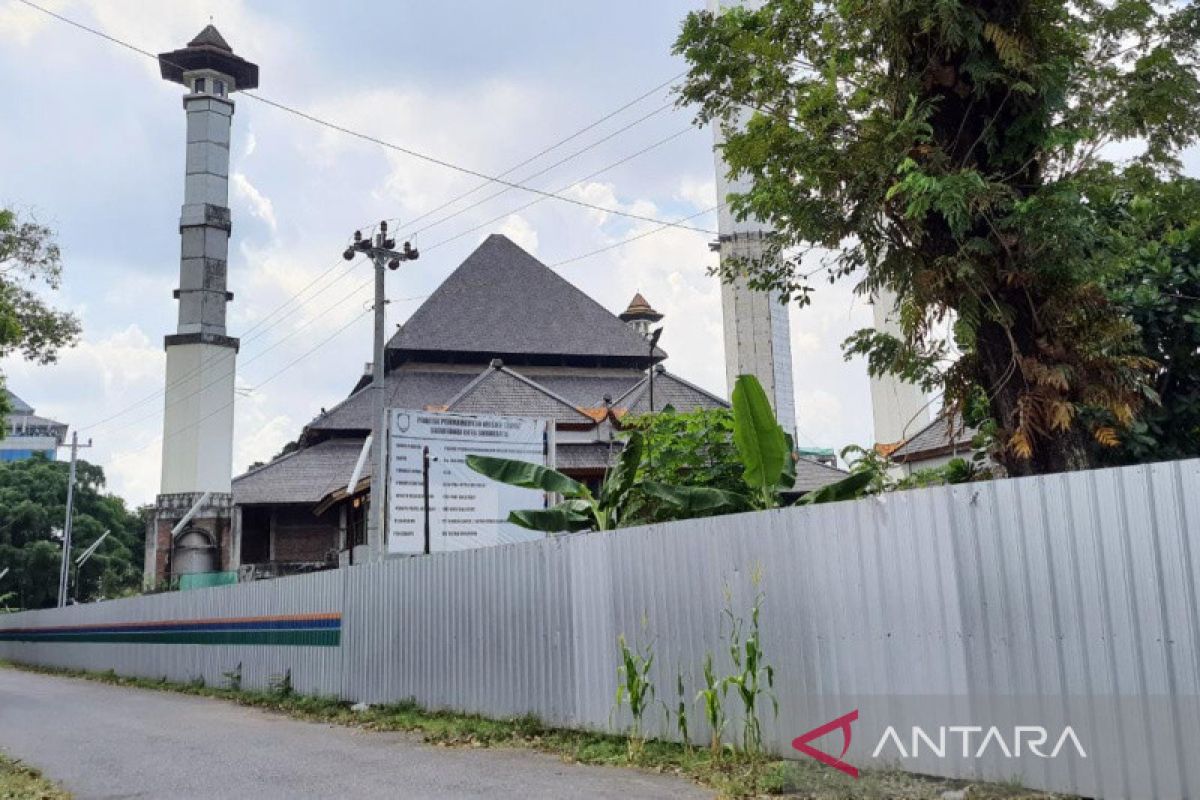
(28, 325)
(945, 150)
(684, 449)
(1158, 285)
(33, 496)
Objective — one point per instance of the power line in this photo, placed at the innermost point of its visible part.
(272, 376)
(441, 162)
(587, 177)
(551, 148)
(544, 170)
(631, 239)
(92, 426)
(295, 298)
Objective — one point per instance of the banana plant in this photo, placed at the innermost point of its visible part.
(764, 449)
(767, 453)
(579, 509)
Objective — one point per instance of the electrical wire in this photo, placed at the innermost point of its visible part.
(408, 151)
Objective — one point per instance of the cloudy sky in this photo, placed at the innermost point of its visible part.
(93, 145)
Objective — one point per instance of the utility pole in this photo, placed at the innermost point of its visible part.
(64, 575)
(381, 250)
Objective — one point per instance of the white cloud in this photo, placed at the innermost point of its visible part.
(93, 381)
(260, 205)
(520, 231)
(700, 192)
(20, 23)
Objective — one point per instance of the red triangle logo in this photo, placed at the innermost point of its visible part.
(842, 723)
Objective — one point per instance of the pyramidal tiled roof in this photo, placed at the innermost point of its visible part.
(212, 37)
(502, 302)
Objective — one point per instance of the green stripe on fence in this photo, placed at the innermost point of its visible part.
(300, 638)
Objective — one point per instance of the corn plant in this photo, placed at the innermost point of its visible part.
(681, 712)
(753, 678)
(635, 689)
(712, 696)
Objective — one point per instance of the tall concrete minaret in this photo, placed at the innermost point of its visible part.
(197, 447)
(757, 331)
(899, 408)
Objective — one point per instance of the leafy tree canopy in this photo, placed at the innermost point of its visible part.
(1158, 286)
(33, 495)
(960, 154)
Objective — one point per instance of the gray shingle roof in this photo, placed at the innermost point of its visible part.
(940, 437)
(588, 390)
(212, 37)
(812, 475)
(501, 391)
(502, 302)
(303, 476)
(668, 390)
(405, 389)
(584, 456)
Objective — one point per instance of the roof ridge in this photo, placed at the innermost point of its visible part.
(490, 371)
(693, 387)
(644, 384)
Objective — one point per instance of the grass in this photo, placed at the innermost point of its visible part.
(21, 782)
(732, 775)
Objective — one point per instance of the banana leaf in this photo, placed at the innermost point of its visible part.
(526, 475)
(848, 488)
(760, 442)
(697, 499)
(619, 479)
(556, 519)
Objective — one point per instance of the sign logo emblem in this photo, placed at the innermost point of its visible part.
(842, 723)
(403, 422)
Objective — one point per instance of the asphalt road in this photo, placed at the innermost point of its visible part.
(103, 741)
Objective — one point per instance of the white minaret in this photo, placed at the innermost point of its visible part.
(899, 408)
(757, 330)
(197, 447)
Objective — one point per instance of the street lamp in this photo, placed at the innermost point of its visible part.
(654, 336)
(84, 556)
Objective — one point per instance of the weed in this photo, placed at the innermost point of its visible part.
(681, 713)
(281, 685)
(712, 696)
(233, 678)
(636, 690)
(529, 726)
(19, 781)
(732, 774)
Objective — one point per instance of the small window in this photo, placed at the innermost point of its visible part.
(199, 87)
(219, 88)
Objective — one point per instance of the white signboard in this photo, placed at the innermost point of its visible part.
(465, 509)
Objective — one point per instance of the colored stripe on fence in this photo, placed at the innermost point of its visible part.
(303, 630)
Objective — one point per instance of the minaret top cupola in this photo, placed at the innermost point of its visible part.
(208, 66)
(640, 315)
